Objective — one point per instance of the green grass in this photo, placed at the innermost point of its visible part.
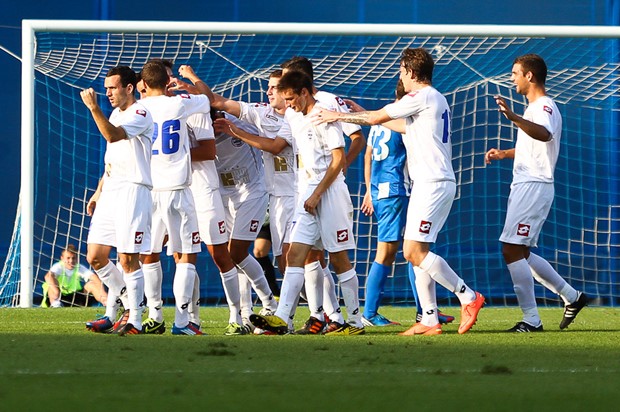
(48, 361)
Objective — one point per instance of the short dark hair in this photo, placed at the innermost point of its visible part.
(127, 75)
(420, 63)
(299, 64)
(155, 75)
(535, 64)
(166, 62)
(295, 81)
(276, 73)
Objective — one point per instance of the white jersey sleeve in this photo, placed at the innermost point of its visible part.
(204, 175)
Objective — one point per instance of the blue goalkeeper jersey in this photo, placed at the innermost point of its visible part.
(389, 175)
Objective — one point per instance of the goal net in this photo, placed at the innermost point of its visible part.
(581, 237)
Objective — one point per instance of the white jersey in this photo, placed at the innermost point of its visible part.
(280, 171)
(240, 166)
(314, 144)
(204, 175)
(171, 163)
(337, 104)
(129, 160)
(535, 160)
(427, 137)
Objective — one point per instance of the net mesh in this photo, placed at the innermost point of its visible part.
(581, 237)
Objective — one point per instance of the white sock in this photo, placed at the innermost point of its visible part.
(289, 291)
(443, 274)
(349, 285)
(254, 272)
(313, 274)
(331, 304)
(113, 279)
(153, 277)
(194, 305)
(425, 285)
(245, 296)
(135, 295)
(230, 282)
(546, 275)
(112, 306)
(183, 288)
(524, 288)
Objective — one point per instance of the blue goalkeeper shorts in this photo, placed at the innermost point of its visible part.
(391, 215)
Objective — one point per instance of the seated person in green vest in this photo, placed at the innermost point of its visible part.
(66, 278)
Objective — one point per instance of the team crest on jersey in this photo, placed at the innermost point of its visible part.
(523, 230)
(139, 236)
(254, 226)
(548, 109)
(425, 226)
(195, 238)
(342, 235)
(340, 101)
(272, 117)
(236, 142)
(185, 96)
(221, 226)
(141, 112)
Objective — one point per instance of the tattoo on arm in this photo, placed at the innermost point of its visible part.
(361, 118)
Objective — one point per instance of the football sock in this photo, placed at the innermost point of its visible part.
(183, 289)
(135, 295)
(331, 304)
(524, 288)
(546, 275)
(313, 274)
(425, 286)
(113, 279)
(245, 296)
(254, 272)
(230, 282)
(349, 285)
(291, 286)
(194, 306)
(443, 274)
(375, 282)
(153, 276)
(411, 274)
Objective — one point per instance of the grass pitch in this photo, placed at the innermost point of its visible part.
(48, 361)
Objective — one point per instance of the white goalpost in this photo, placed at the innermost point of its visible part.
(359, 61)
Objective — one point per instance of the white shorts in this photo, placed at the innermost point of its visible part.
(122, 219)
(332, 224)
(428, 210)
(281, 213)
(174, 214)
(243, 221)
(528, 207)
(211, 216)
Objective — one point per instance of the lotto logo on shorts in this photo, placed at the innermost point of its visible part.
(195, 238)
(138, 238)
(221, 227)
(254, 226)
(523, 230)
(342, 235)
(425, 227)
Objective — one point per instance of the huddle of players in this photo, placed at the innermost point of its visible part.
(311, 210)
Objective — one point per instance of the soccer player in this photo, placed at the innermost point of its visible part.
(65, 278)
(122, 218)
(323, 213)
(387, 196)
(429, 159)
(174, 212)
(531, 194)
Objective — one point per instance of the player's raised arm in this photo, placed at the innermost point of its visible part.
(187, 72)
(109, 132)
(535, 131)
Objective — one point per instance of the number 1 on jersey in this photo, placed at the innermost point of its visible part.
(446, 126)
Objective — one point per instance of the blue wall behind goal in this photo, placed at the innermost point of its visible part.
(595, 12)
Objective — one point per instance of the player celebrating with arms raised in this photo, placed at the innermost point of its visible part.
(429, 158)
(122, 218)
(531, 194)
